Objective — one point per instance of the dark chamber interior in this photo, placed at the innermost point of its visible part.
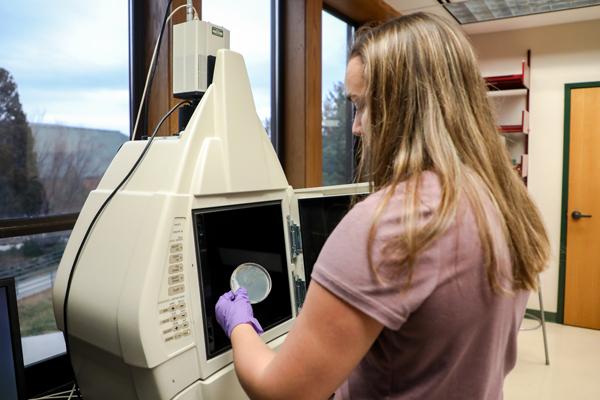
(318, 218)
(227, 237)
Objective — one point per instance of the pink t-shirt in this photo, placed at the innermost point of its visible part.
(448, 336)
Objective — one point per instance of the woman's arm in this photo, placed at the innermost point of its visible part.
(327, 341)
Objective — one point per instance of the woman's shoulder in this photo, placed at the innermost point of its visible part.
(429, 192)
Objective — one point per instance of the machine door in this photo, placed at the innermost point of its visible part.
(227, 237)
(319, 212)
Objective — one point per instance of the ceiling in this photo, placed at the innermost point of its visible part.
(529, 21)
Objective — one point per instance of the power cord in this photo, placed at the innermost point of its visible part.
(67, 394)
(152, 68)
(93, 223)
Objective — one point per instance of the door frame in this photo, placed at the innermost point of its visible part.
(562, 266)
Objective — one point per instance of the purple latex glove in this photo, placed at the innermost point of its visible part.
(233, 309)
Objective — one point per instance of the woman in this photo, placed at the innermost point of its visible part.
(420, 290)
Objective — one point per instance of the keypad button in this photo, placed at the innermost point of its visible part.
(175, 268)
(175, 279)
(173, 290)
(176, 248)
(175, 258)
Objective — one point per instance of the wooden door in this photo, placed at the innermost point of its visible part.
(582, 278)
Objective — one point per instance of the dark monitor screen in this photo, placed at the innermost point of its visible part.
(227, 237)
(11, 356)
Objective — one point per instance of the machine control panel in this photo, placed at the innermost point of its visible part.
(173, 313)
(174, 322)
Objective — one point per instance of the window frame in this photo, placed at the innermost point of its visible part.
(300, 98)
(14, 227)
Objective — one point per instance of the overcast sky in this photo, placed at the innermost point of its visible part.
(70, 58)
(333, 52)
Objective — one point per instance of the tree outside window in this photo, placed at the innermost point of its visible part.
(338, 142)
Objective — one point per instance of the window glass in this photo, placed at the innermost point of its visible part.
(64, 112)
(64, 101)
(249, 23)
(32, 260)
(338, 158)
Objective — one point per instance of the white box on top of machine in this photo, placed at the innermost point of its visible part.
(195, 43)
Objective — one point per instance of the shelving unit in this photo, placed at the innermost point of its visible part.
(510, 93)
(522, 128)
(510, 82)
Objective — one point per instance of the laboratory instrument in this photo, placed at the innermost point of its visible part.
(141, 318)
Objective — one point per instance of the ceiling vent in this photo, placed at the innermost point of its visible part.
(471, 11)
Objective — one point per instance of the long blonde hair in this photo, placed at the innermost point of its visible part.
(427, 110)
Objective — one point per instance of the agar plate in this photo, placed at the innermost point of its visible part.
(254, 278)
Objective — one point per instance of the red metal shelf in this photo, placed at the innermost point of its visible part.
(511, 129)
(509, 82)
(515, 132)
(523, 127)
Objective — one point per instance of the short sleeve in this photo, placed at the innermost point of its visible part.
(343, 269)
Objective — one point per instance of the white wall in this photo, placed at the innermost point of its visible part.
(560, 54)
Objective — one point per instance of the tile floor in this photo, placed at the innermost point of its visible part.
(574, 370)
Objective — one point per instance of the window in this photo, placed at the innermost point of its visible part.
(250, 25)
(338, 154)
(64, 112)
(33, 260)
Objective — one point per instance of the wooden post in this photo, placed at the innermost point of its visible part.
(301, 74)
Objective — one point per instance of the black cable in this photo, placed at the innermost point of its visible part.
(92, 224)
(146, 106)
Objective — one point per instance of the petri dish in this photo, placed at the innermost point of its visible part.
(254, 278)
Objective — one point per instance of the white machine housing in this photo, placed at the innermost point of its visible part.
(138, 274)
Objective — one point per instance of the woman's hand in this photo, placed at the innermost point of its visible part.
(328, 340)
(234, 309)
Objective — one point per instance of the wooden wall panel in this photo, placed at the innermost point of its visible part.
(362, 11)
(301, 74)
(314, 142)
(158, 102)
(292, 73)
(139, 28)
